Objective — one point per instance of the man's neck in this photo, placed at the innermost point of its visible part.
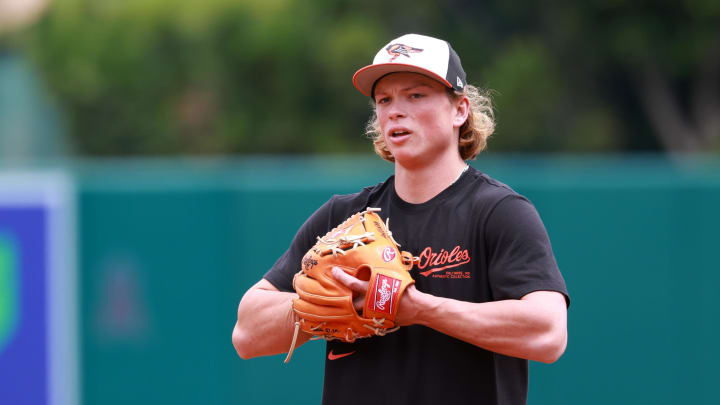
(420, 184)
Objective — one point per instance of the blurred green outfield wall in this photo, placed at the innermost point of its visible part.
(167, 248)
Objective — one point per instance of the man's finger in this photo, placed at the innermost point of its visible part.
(359, 303)
(349, 281)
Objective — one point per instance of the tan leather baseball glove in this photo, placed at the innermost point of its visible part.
(363, 247)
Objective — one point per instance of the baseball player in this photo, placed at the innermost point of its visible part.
(488, 295)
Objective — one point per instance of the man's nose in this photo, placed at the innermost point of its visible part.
(396, 111)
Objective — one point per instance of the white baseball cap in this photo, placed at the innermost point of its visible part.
(413, 53)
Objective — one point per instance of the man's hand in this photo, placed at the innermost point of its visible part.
(407, 307)
(357, 286)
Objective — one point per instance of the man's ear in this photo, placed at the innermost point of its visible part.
(462, 110)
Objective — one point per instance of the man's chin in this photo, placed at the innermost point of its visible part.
(409, 160)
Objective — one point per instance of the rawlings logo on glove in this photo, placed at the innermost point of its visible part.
(363, 247)
(386, 294)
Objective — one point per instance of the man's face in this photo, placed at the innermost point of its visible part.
(417, 119)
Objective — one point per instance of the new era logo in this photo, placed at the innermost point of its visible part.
(459, 82)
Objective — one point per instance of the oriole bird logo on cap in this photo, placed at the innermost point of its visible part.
(399, 49)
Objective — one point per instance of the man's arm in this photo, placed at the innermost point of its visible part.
(265, 322)
(533, 328)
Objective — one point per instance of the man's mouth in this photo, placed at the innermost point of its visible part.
(399, 132)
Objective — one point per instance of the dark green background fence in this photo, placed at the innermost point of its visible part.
(167, 249)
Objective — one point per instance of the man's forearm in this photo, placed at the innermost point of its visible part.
(533, 328)
(265, 323)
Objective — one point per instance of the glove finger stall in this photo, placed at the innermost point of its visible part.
(312, 286)
(311, 311)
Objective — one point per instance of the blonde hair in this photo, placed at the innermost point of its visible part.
(478, 127)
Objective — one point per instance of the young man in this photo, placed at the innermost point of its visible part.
(488, 294)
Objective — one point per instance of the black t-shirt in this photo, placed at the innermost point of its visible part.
(478, 241)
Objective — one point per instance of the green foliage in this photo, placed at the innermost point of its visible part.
(185, 77)
(273, 76)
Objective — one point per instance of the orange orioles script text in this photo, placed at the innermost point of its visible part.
(453, 258)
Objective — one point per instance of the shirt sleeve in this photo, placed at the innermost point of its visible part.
(281, 273)
(520, 257)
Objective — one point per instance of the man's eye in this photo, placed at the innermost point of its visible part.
(416, 95)
(383, 100)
